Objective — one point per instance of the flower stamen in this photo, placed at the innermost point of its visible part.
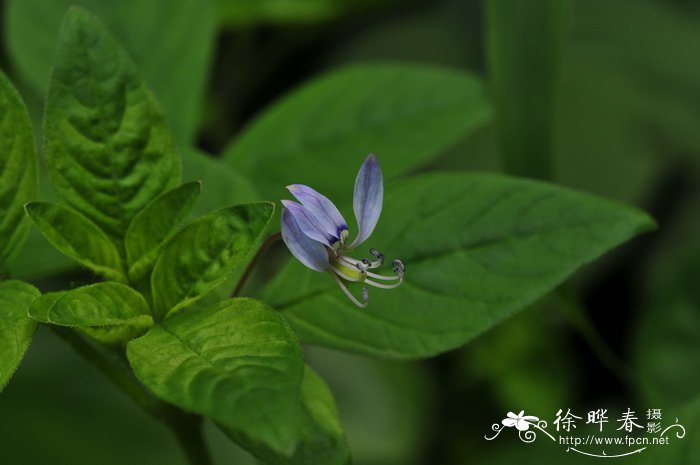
(398, 268)
(379, 255)
(382, 277)
(348, 277)
(347, 292)
(384, 286)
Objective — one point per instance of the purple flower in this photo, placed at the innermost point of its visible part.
(317, 234)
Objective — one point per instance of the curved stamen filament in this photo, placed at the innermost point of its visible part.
(347, 292)
(382, 277)
(384, 286)
(366, 262)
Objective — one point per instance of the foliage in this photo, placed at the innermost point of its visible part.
(142, 244)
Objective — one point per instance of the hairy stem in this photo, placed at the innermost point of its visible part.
(254, 262)
(186, 427)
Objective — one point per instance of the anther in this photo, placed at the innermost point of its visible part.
(378, 254)
(365, 294)
(398, 267)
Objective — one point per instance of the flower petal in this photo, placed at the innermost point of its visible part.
(323, 209)
(308, 223)
(509, 422)
(368, 198)
(522, 425)
(531, 419)
(309, 252)
(512, 415)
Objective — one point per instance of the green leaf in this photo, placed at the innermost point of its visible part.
(153, 225)
(323, 439)
(391, 396)
(477, 249)
(108, 312)
(108, 146)
(237, 363)
(175, 65)
(247, 12)
(321, 436)
(222, 185)
(203, 253)
(16, 328)
(524, 43)
(101, 304)
(405, 114)
(78, 238)
(18, 171)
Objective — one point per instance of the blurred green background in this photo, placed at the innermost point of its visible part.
(625, 124)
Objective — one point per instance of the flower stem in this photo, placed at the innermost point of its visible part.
(186, 427)
(255, 261)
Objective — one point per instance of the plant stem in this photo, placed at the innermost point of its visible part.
(523, 50)
(191, 438)
(254, 262)
(577, 316)
(186, 427)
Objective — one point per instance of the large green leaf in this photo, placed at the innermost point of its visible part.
(108, 145)
(237, 362)
(16, 328)
(18, 171)
(221, 184)
(524, 43)
(405, 114)
(477, 248)
(78, 238)
(203, 254)
(321, 436)
(154, 224)
(171, 49)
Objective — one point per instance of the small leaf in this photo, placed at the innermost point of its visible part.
(108, 147)
(321, 436)
(153, 225)
(237, 363)
(406, 114)
(78, 238)
(477, 249)
(16, 328)
(202, 254)
(18, 171)
(109, 312)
